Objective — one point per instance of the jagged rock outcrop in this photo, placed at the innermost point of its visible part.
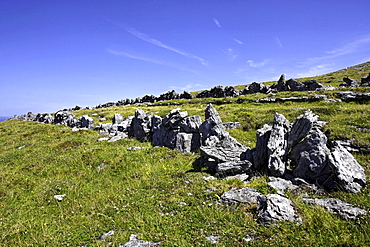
(177, 131)
(277, 145)
(216, 143)
(350, 175)
(255, 87)
(85, 122)
(299, 150)
(260, 153)
(218, 92)
(349, 82)
(65, 118)
(365, 81)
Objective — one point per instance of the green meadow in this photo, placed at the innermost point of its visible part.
(159, 194)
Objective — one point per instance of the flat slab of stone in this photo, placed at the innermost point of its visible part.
(244, 195)
(336, 206)
(281, 185)
(233, 167)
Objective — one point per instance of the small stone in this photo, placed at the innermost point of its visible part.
(210, 190)
(213, 239)
(107, 234)
(134, 148)
(59, 198)
(209, 178)
(103, 139)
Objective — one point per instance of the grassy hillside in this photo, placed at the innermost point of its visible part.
(155, 192)
(333, 78)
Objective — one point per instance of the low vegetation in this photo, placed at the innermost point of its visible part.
(158, 193)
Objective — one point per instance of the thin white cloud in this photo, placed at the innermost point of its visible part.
(239, 42)
(361, 44)
(316, 70)
(258, 65)
(149, 60)
(189, 87)
(148, 39)
(278, 42)
(350, 47)
(230, 53)
(217, 23)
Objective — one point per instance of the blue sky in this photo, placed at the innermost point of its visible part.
(56, 54)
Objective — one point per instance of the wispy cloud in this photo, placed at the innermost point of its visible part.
(350, 47)
(149, 60)
(316, 70)
(230, 53)
(189, 87)
(278, 42)
(258, 65)
(239, 42)
(158, 43)
(217, 23)
(360, 44)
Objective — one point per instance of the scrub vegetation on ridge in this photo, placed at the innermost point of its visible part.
(157, 193)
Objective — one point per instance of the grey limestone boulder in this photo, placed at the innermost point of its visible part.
(243, 195)
(216, 143)
(302, 127)
(117, 118)
(274, 207)
(141, 126)
(86, 122)
(190, 124)
(350, 175)
(134, 242)
(175, 116)
(260, 154)
(365, 81)
(350, 82)
(310, 157)
(336, 206)
(277, 145)
(281, 185)
(294, 85)
(233, 167)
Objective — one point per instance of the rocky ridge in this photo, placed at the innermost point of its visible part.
(293, 154)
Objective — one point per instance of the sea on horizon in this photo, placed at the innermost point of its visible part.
(3, 118)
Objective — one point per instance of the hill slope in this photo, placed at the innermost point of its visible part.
(158, 193)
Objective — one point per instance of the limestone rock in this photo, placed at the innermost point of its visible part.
(243, 195)
(277, 145)
(336, 206)
(273, 208)
(86, 122)
(260, 155)
(310, 157)
(233, 167)
(302, 127)
(117, 118)
(134, 242)
(281, 185)
(365, 81)
(190, 124)
(350, 82)
(349, 173)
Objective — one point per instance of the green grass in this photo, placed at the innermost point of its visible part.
(110, 188)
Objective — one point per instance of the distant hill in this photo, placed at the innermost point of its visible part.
(333, 78)
(3, 118)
